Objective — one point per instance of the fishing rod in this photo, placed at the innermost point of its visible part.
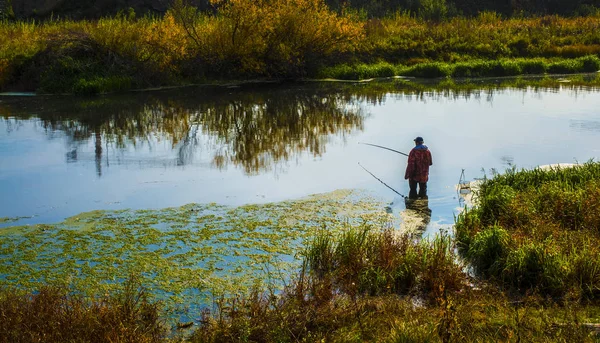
(382, 147)
(385, 184)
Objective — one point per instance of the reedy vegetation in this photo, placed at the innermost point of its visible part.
(57, 315)
(284, 39)
(372, 285)
(537, 231)
(364, 284)
(534, 234)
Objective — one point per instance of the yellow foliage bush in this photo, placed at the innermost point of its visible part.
(279, 37)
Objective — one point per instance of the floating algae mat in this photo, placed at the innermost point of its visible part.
(181, 254)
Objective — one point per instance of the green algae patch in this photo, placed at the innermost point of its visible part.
(4, 220)
(183, 254)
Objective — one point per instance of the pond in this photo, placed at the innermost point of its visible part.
(248, 161)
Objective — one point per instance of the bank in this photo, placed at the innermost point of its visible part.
(282, 41)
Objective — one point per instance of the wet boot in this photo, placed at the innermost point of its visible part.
(412, 194)
(423, 190)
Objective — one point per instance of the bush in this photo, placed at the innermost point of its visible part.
(590, 63)
(565, 67)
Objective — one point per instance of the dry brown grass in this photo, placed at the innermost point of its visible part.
(52, 315)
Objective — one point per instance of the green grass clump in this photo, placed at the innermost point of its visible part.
(359, 72)
(488, 248)
(429, 70)
(534, 66)
(468, 69)
(537, 230)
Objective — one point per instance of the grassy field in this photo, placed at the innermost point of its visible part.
(282, 39)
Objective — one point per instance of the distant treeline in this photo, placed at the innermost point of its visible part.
(429, 9)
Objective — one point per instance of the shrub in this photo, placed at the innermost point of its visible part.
(590, 63)
(565, 67)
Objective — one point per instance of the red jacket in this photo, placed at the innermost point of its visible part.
(419, 160)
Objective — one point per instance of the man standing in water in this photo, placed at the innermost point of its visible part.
(417, 170)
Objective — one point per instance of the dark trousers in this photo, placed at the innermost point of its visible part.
(413, 189)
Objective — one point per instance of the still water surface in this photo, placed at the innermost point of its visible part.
(60, 156)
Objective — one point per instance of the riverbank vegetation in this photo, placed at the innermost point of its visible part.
(56, 315)
(537, 231)
(532, 243)
(282, 39)
(523, 265)
(362, 285)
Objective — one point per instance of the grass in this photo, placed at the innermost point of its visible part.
(532, 242)
(362, 286)
(55, 315)
(373, 262)
(284, 39)
(470, 69)
(537, 231)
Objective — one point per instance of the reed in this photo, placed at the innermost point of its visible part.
(469, 69)
(375, 262)
(54, 314)
(357, 298)
(536, 230)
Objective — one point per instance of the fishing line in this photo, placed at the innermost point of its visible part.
(385, 184)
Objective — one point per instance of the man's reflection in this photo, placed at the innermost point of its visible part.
(420, 211)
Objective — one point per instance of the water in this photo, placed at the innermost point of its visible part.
(60, 156)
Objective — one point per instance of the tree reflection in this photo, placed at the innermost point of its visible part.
(252, 130)
(255, 130)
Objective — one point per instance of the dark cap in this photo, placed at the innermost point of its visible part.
(418, 139)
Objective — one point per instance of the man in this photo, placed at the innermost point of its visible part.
(417, 170)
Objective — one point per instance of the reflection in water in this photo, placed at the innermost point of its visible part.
(251, 130)
(255, 130)
(419, 211)
(507, 160)
(585, 125)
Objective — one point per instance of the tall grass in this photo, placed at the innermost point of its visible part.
(469, 69)
(374, 262)
(537, 230)
(368, 285)
(53, 315)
